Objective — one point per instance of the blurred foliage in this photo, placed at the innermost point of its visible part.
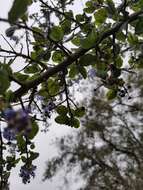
(106, 153)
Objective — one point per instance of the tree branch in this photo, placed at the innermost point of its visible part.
(73, 57)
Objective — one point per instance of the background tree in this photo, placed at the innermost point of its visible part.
(107, 151)
(49, 51)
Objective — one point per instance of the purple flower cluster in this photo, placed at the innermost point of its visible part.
(23, 121)
(39, 98)
(9, 114)
(17, 121)
(91, 73)
(23, 116)
(9, 134)
(27, 172)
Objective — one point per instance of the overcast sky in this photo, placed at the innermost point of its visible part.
(43, 141)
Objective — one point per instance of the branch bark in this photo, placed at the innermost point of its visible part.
(72, 58)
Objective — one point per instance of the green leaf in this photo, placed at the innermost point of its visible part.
(100, 16)
(18, 9)
(24, 159)
(33, 155)
(16, 161)
(10, 158)
(66, 26)
(53, 87)
(4, 81)
(111, 7)
(139, 26)
(141, 3)
(34, 131)
(79, 112)
(119, 62)
(75, 123)
(32, 69)
(21, 143)
(76, 41)
(56, 33)
(33, 77)
(132, 39)
(80, 17)
(101, 74)
(8, 96)
(87, 60)
(137, 5)
(121, 36)
(38, 34)
(21, 77)
(58, 56)
(111, 94)
(90, 8)
(73, 71)
(90, 41)
(62, 119)
(83, 72)
(62, 110)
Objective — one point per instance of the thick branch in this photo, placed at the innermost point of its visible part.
(72, 58)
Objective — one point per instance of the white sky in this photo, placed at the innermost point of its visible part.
(43, 141)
